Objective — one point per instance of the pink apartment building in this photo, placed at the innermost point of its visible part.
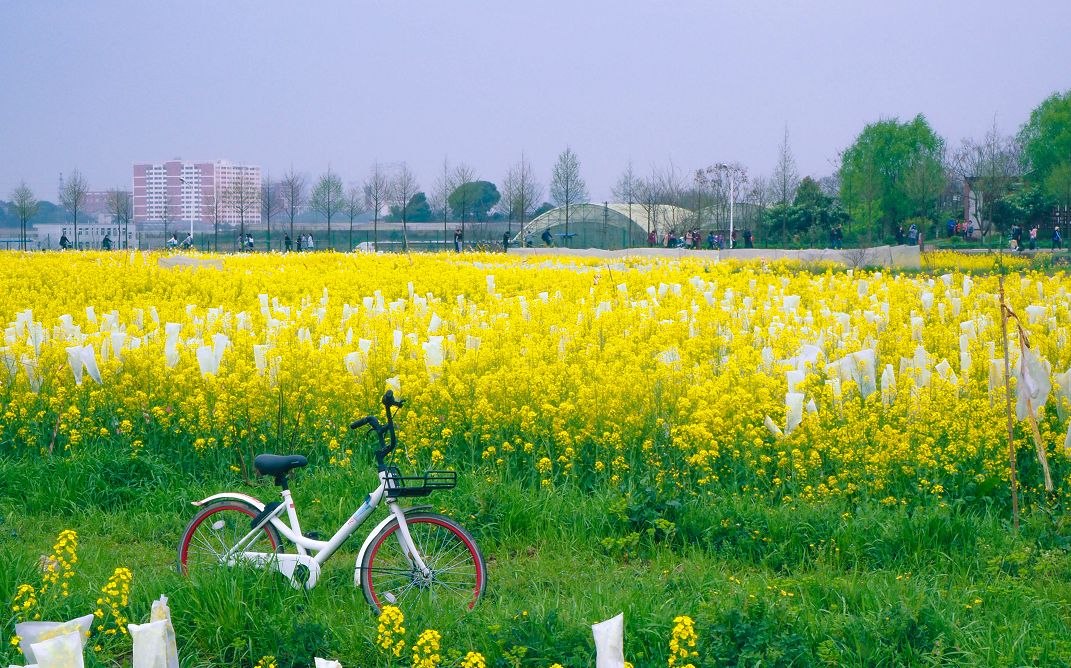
(199, 192)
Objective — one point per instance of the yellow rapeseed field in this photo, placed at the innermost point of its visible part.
(775, 381)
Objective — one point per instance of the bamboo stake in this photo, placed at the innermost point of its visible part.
(1007, 398)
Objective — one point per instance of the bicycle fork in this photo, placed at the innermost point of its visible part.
(409, 548)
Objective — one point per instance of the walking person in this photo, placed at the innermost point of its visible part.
(749, 239)
(287, 242)
(459, 239)
(1034, 238)
(1057, 241)
(310, 243)
(505, 242)
(652, 239)
(913, 234)
(710, 240)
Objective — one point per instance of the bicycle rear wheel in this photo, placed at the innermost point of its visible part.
(458, 573)
(216, 529)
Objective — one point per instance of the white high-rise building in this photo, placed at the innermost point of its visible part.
(196, 192)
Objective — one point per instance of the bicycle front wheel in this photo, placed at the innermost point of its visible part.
(216, 529)
(458, 574)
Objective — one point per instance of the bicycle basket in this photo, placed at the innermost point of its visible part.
(419, 485)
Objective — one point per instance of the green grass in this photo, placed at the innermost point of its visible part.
(767, 585)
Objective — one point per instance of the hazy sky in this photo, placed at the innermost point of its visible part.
(99, 85)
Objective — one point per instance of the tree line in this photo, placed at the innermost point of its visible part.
(894, 173)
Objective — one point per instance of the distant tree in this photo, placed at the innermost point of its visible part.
(292, 193)
(403, 187)
(327, 200)
(242, 197)
(528, 190)
(1046, 141)
(270, 204)
(875, 168)
(474, 200)
(377, 194)
(72, 196)
(625, 190)
(119, 208)
(541, 209)
(785, 177)
(416, 211)
(353, 207)
(444, 185)
(990, 167)
(25, 205)
(566, 185)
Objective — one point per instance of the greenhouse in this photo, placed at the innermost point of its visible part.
(605, 225)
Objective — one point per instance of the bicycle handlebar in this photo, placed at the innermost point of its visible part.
(389, 402)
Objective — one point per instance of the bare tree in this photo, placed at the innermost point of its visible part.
(72, 196)
(625, 191)
(219, 207)
(270, 204)
(403, 186)
(989, 167)
(462, 174)
(327, 199)
(786, 177)
(292, 190)
(119, 207)
(509, 196)
(377, 193)
(353, 206)
(25, 204)
(566, 186)
(242, 198)
(529, 190)
(444, 185)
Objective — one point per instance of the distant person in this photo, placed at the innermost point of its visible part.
(287, 242)
(749, 239)
(652, 239)
(913, 234)
(64, 242)
(459, 239)
(950, 226)
(106, 243)
(1057, 241)
(172, 242)
(249, 242)
(310, 243)
(505, 242)
(548, 240)
(1017, 237)
(710, 240)
(187, 243)
(1034, 238)
(899, 235)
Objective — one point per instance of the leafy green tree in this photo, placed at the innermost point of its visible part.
(812, 213)
(473, 200)
(1046, 140)
(881, 169)
(417, 211)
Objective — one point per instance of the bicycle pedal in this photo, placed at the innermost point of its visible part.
(312, 535)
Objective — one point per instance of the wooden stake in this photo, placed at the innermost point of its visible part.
(1007, 396)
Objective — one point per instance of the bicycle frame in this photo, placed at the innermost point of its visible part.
(288, 564)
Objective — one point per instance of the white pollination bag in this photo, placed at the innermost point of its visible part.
(610, 642)
(30, 633)
(154, 643)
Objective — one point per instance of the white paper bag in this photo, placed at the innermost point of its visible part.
(610, 642)
(33, 632)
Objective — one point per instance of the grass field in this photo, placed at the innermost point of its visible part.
(607, 423)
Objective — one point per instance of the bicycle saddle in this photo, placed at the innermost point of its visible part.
(278, 465)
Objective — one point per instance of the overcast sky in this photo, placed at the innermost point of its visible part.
(99, 85)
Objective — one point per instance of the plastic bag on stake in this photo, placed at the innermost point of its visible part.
(610, 642)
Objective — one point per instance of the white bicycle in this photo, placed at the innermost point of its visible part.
(412, 552)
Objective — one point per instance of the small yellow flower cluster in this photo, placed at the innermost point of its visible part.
(265, 662)
(391, 632)
(59, 566)
(116, 598)
(25, 600)
(474, 660)
(426, 650)
(682, 643)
